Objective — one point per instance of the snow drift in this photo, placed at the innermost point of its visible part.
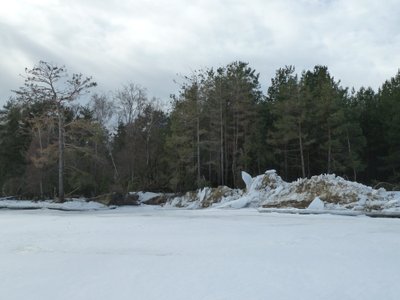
(333, 191)
(206, 197)
(326, 192)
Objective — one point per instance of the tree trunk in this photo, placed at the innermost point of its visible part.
(116, 174)
(351, 156)
(198, 150)
(41, 170)
(235, 151)
(226, 154)
(198, 138)
(303, 169)
(329, 150)
(221, 142)
(286, 163)
(209, 166)
(61, 145)
(95, 166)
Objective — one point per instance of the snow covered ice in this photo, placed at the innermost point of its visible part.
(151, 253)
(84, 250)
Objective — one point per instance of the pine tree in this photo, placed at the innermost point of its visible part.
(354, 138)
(289, 111)
(14, 142)
(328, 120)
(184, 139)
(389, 97)
(371, 123)
(243, 96)
(46, 82)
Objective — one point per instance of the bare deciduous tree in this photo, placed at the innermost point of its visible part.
(131, 101)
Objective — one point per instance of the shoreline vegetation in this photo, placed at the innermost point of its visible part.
(219, 124)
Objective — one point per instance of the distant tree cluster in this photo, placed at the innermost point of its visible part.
(220, 123)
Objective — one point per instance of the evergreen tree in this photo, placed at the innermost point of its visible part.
(214, 125)
(328, 120)
(244, 95)
(371, 123)
(354, 138)
(289, 112)
(46, 83)
(184, 139)
(14, 142)
(89, 171)
(389, 97)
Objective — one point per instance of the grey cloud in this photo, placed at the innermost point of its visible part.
(12, 39)
(149, 42)
(15, 48)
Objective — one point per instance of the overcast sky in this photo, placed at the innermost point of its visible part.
(149, 42)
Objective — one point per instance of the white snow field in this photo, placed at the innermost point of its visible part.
(150, 253)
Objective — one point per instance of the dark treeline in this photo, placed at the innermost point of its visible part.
(220, 123)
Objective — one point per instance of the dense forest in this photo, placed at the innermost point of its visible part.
(220, 123)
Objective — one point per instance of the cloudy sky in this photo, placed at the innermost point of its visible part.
(149, 42)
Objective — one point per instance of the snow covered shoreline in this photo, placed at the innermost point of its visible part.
(267, 192)
(316, 195)
(71, 205)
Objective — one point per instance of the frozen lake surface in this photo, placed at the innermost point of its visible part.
(147, 253)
